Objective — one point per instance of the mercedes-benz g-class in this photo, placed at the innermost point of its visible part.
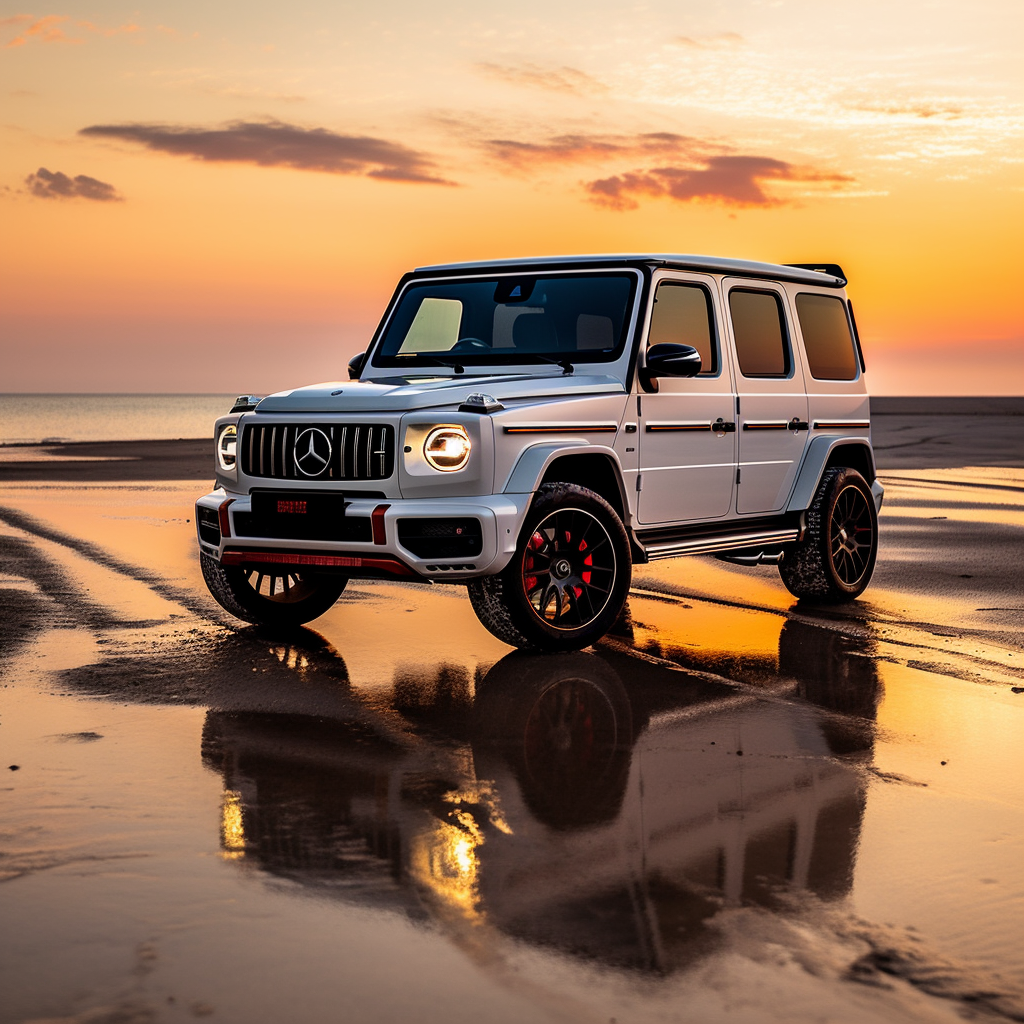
(533, 428)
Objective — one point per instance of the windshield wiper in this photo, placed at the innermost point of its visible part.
(567, 367)
(434, 361)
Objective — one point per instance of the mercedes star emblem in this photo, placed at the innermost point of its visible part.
(312, 451)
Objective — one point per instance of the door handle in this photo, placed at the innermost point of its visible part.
(721, 427)
(798, 424)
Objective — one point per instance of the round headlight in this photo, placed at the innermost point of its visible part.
(447, 448)
(227, 446)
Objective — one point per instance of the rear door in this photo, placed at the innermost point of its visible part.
(686, 429)
(771, 396)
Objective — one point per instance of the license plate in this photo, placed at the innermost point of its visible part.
(292, 507)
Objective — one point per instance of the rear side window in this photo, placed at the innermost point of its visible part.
(683, 315)
(828, 341)
(760, 332)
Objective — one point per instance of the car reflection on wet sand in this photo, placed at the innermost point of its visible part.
(552, 801)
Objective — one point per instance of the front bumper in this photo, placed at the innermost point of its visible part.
(382, 554)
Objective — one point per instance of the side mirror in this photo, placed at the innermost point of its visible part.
(669, 360)
(355, 366)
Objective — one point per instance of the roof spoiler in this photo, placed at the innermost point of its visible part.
(822, 268)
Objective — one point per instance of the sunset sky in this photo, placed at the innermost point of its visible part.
(200, 197)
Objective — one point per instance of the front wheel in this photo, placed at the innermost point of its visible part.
(835, 560)
(568, 579)
(279, 598)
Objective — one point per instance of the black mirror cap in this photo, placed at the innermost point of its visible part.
(355, 366)
(671, 360)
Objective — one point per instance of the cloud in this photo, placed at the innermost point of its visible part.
(45, 30)
(718, 41)
(277, 144)
(46, 184)
(582, 148)
(731, 180)
(563, 79)
(921, 110)
(127, 29)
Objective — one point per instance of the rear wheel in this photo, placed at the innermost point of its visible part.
(568, 580)
(279, 597)
(835, 560)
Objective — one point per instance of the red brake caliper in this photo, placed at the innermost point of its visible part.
(536, 543)
(585, 575)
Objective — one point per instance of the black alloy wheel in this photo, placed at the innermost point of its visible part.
(568, 580)
(852, 535)
(279, 597)
(835, 560)
(568, 568)
(280, 587)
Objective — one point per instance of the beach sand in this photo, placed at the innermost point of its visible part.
(734, 808)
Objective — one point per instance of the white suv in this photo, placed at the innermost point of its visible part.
(532, 428)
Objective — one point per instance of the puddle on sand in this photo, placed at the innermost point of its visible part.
(734, 811)
(576, 832)
(149, 525)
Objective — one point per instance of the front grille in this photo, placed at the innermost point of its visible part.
(318, 451)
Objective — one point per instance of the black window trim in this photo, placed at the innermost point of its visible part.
(856, 336)
(787, 334)
(624, 344)
(716, 341)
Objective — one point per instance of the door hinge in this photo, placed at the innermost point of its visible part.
(738, 472)
(639, 477)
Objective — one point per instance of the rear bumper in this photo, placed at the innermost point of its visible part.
(381, 554)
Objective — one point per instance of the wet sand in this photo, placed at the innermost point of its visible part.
(735, 808)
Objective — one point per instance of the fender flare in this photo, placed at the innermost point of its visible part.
(534, 461)
(813, 466)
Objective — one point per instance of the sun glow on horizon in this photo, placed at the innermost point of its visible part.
(203, 179)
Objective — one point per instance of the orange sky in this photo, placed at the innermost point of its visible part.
(222, 201)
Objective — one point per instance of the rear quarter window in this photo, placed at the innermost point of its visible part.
(828, 340)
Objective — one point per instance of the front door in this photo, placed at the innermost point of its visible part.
(686, 428)
(771, 425)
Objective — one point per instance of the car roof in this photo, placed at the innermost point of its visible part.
(829, 275)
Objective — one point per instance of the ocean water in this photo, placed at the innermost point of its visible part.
(31, 419)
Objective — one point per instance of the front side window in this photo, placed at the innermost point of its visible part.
(828, 340)
(579, 317)
(683, 314)
(759, 328)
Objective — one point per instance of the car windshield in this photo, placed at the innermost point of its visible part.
(562, 317)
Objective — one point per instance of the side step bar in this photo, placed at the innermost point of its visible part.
(712, 545)
(759, 557)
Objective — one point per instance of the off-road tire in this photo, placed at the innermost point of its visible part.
(304, 597)
(834, 561)
(573, 540)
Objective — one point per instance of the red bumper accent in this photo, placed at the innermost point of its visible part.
(391, 566)
(377, 524)
(222, 515)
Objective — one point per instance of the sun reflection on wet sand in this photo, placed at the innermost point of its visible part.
(232, 829)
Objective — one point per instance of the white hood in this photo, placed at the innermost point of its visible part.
(401, 394)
